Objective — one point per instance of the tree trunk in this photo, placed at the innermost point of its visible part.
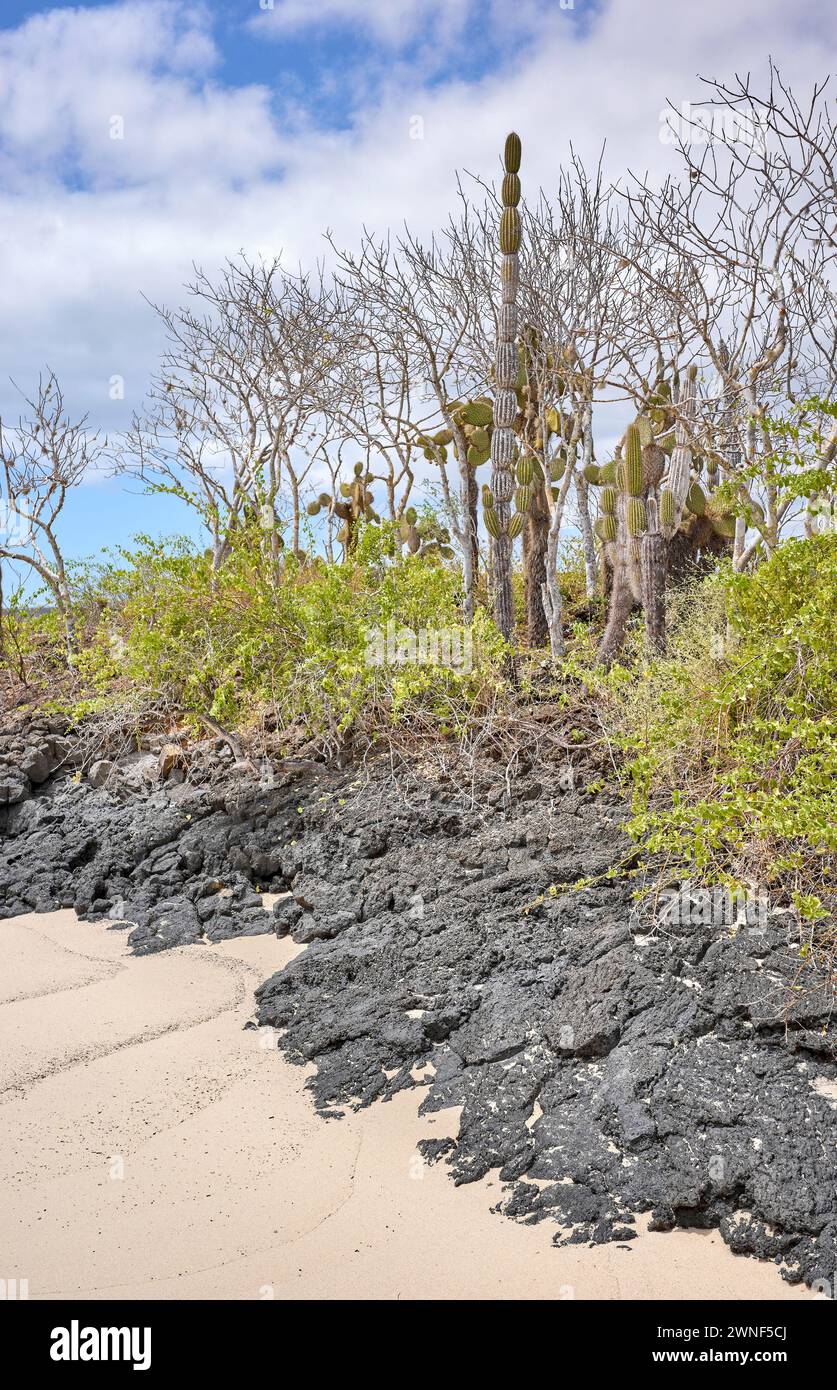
(295, 504)
(63, 598)
(621, 604)
(738, 545)
(588, 540)
(582, 496)
(552, 602)
(473, 503)
(65, 608)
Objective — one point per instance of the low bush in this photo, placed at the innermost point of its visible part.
(730, 741)
(332, 646)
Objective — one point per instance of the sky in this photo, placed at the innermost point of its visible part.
(138, 139)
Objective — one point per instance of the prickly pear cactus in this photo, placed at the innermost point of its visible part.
(475, 419)
(352, 503)
(628, 528)
(646, 500)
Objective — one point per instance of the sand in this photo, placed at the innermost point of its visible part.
(155, 1148)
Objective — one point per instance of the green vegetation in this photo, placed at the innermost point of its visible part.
(363, 582)
(728, 742)
(331, 647)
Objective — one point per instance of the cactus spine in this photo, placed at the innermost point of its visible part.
(503, 449)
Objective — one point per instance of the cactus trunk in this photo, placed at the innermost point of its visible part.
(654, 567)
(535, 538)
(619, 610)
(506, 368)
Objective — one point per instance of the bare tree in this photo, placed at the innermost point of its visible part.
(42, 457)
(236, 405)
(735, 248)
(413, 368)
(600, 340)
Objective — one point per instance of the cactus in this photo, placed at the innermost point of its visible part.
(507, 370)
(653, 465)
(632, 466)
(647, 500)
(696, 499)
(656, 513)
(644, 429)
(511, 190)
(475, 420)
(352, 504)
(478, 413)
(680, 469)
(628, 510)
(526, 471)
(636, 516)
(512, 153)
(510, 231)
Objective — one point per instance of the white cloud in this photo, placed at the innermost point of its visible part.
(392, 22)
(89, 224)
(123, 95)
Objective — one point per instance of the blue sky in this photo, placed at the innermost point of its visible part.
(251, 126)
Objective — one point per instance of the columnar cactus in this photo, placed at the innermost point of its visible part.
(497, 503)
(535, 427)
(653, 568)
(676, 491)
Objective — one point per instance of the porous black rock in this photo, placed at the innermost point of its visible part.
(604, 1066)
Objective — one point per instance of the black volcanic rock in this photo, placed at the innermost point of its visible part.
(603, 1065)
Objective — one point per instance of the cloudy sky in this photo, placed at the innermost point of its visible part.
(138, 138)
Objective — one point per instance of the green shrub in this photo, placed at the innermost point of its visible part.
(732, 738)
(313, 641)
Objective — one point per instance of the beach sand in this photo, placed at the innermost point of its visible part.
(155, 1148)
